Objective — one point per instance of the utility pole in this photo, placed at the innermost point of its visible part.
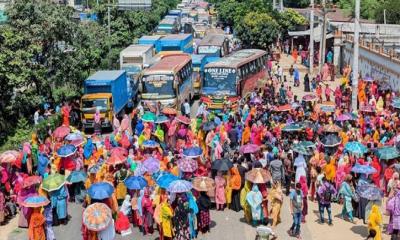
(311, 44)
(109, 32)
(355, 56)
(281, 5)
(323, 37)
(384, 16)
(274, 4)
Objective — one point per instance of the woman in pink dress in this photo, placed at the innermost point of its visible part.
(220, 184)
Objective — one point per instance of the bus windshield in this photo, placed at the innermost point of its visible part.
(158, 87)
(209, 50)
(219, 81)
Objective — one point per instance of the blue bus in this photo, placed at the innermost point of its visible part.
(177, 42)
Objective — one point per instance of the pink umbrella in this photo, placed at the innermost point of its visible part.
(310, 97)
(249, 148)
(61, 132)
(119, 151)
(367, 108)
(9, 156)
(183, 119)
(116, 159)
(343, 117)
(187, 165)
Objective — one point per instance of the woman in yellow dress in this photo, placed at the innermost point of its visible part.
(375, 222)
(166, 219)
(275, 197)
(243, 202)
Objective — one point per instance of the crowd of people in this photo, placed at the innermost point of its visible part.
(163, 172)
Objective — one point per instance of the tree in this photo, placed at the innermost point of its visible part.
(392, 12)
(289, 19)
(368, 8)
(257, 30)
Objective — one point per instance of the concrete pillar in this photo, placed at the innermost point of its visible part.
(337, 41)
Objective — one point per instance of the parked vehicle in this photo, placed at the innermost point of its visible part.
(214, 45)
(167, 26)
(153, 40)
(177, 42)
(198, 63)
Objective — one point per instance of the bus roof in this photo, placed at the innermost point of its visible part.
(151, 37)
(176, 37)
(213, 40)
(136, 50)
(238, 58)
(168, 21)
(169, 64)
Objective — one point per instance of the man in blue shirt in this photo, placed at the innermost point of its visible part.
(296, 206)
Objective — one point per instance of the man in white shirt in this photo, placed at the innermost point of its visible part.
(36, 116)
(186, 106)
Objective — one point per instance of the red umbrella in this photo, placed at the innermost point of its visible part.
(249, 148)
(116, 159)
(31, 180)
(9, 156)
(183, 119)
(120, 151)
(61, 132)
(284, 108)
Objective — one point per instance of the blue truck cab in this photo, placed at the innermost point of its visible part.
(177, 42)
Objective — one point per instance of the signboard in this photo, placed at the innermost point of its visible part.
(134, 4)
(220, 73)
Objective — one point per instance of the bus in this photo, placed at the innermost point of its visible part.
(214, 45)
(167, 26)
(231, 77)
(177, 42)
(198, 63)
(133, 60)
(169, 81)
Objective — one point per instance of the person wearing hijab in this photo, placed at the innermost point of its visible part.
(181, 219)
(393, 207)
(347, 193)
(122, 224)
(246, 135)
(275, 197)
(97, 122)
(220, 198)
(243, 201)
(36, 225)
(166, 219)
(301, 166)
(147, 212)
(330, 170)
(203, 218)
(254, 199)
(392, 184)
(304, 190)
(235, 182)
(193, 211)
(375, 223)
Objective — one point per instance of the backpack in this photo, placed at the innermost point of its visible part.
(327, 195)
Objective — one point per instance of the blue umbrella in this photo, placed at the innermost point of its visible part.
(74, 136)
(66, 150)
(165, 180)
(35, 201)
(100, 190)
(150, 144)
(387, 153)
(77, 176)
(327, 108)
(356, 148)
(179, 186)
(363, 169)
(162, 119)
(370, 192)
(135, 183)
(192, 152)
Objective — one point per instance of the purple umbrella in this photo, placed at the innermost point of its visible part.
(152, 165)
(187, 165)
(179, 186)
(343, 117)
(249, 148)
(256, 100)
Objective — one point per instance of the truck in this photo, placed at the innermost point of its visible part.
(198, 63)
(107, 91)
(133, 60)
(167, 26)
(177, 42)
(153, 40)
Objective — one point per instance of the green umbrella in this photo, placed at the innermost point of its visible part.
(307, 144)
(53, 182)
(387, 153)
(292, 127)
(149, 117)
(301, 149)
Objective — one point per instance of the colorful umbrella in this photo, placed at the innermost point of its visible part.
(367, 108)
(249, 148)
(53, 182)
(169, 111)
(222, 165)
(162, 119)
(331, 128)
(203, 184)
(183, 119)
(77, 176)
(149, 117)
(35, 201)
(370, 192)
(363, 169)
(256, 100)
(97, 217)
(61, 132)
(135, 183)
(66, 150)
(208, 126)
(94, 168)
(76, 136)
(294, 127)
(100, 190)
(165, 180)
(327, 109)
(258, 175)
(192, 152)
(9, 156)
(283, 108)
(120, 151)
(140, 170)
(387, 153)
(307, 144)
(187, 165)
(31, 180)
(152, 165)
(179, 186)
(116, 159)
(343, 117)
(330, 140)
(310, 97)
(150, 144)
(396, 105)
(356, 148)
(299, 148)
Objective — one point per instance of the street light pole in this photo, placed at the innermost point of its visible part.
(311, 44)
(355, 56)
(323, 37)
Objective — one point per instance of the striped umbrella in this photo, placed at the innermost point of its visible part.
(179, 186)
(97, 216)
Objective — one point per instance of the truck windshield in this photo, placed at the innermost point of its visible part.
(158, 86)
(90, 105)
(210, 50)
(219, 81)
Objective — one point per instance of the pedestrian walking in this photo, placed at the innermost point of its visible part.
(296, 207)
(325, 193)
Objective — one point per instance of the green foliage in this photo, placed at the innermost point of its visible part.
(297, 3)
(392, 12)
(368, 8)
(257, 30)
(289, 19)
